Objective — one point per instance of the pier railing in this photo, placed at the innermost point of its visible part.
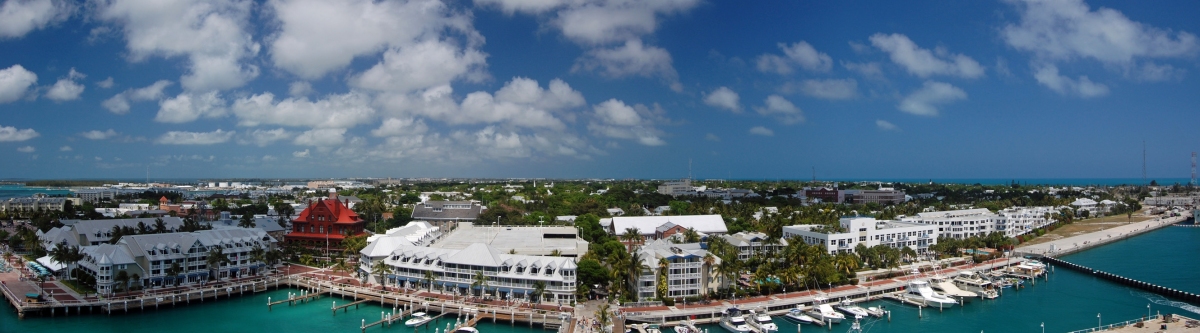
(1117, 325)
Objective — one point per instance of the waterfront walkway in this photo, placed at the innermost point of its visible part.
(1065, 246)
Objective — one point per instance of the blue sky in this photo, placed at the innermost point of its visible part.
(597, 88)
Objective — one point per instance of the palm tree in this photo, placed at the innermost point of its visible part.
(539, 289)
(633, 271)
(480, 281)
(174, 272)
(381, 270)
(247, 221)
(160, 226)
(430, 279)
(216, 257)
(691, 236)
(122, 280)
(710, 261)
(555, 253)
(603, 316)
(258, 254)
(59, 253)
(631, 235)
(135, 278)
(340, 265)
(663, 266)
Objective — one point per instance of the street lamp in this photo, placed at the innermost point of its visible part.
(1098, 323)
(1147, 311)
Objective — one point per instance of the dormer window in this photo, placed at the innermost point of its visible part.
(533, 270)
(520, 269)
(549, 271)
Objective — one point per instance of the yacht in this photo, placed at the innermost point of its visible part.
(851, 309)
(877, 311)
(651, 328)
(920, 292)
(418, 319)
(762, 322)
(466, 329)
(733, 321)
(797, 316)
(687, 327)
(823, 312)
(947, 287)
(972, 282)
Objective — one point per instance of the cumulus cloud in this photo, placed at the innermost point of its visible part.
(213, 36)
(14, 82)
(19, 17)
(631, 59)
(886, 125)
(422, 65)
(400, 127)
(107, 83)
(923, 62)
(781, 109)
(723, 98)
(195, 138)
(1063, 30)
(925, 101)
(521, 102)
(300, 89)
(334, 111)
(65, 148)
(321, 137)
(119, 103)
(1047, 75)
(759, 130)
(712, 137)
(315, 37)
(599, 22)
(830, 89)
(27, 149)
(800, 53)
(870, 70)
(188, 107)
(263, 138)
(12, 134)
(99, 135)
(66, 88)
(300, 154)
(615, 119)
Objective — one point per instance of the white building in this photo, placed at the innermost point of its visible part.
(687, 275)
(509, 275)
(965, 223)
(1085, 204)
(867, 231)
(682, 187)
(646, 226)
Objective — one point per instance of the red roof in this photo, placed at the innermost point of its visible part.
(338, 211)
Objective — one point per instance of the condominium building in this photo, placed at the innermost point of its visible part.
(508, 275)
(869, 232)
(33, 204)
(96, 232)
(686, 273)
(965, 223)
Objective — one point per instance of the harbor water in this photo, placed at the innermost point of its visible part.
(1067, 301)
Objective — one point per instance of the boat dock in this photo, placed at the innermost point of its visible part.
(1156, 323)
(1150, 287)
(346, 307)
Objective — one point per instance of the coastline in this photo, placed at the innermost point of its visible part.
(1074, 244)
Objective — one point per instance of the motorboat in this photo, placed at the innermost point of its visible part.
(919, 291)
(418, 319)
(972, 282)
(466, 329)
(851, 309)
(733, 321)
(687, 327)
(823, 312)
(797, 316)
(651, 328)
(856, 327)
(762, 321)
(877, 311)
(948, 288)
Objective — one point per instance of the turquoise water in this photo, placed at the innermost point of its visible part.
(18, 191)
(1068, 301)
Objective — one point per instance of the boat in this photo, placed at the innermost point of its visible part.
(762, 321)
(466, 329)
(651, 328)
(797, 316)
(948, 288)
(687, 327)
(971, 281)
(877, 311)
(919, 291)
(733, 321)
(823, 312)
(856, 327)
(418, 319)
(851, 309)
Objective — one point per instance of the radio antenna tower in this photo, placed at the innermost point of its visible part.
(1193, 169)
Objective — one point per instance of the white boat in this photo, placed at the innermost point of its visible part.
(418, 319)
(855, 327)
(651, 328)
(851, 309)
(823, 312)
(920, 292)
(948, 288)
(972, 282)
(466, 329)
(797, 316)
(687, 327)
(877, 311)
(762, 322)
(733, 321)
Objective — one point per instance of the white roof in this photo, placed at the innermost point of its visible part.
(709, 224)
(1083, 202)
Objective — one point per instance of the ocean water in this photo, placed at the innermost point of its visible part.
(1031, 181)
(18, 191)
(1067, 301)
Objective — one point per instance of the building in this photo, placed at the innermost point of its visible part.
(531, 240)
(96, 232)
(978, 222)
(647, 226)
(885, 196)
(686, 272)
(1173, 201)
(749, 244)
(824, 194)
(510, 276)
(447, 214)
(33, 204)
(1085, 204)
(379, 247)
(678, 188)
(324, 224)
(95, 195)
(869, 232)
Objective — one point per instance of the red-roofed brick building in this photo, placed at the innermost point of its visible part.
(324, 224)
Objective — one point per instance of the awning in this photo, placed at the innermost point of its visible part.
(192, 275)
(168, 277)
(204, 274)
(261, 265)
(156, 279)
(504, 290)
(233, 270)
(50, 263)
(392, 276)
(181, 277)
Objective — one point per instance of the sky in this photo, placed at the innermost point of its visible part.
(598, 89)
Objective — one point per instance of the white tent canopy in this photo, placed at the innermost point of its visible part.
(50, 263)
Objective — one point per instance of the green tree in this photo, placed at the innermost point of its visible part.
(480, 281)
(216, 257)
(430, 279)
(539, 289)
(247, 221)
(381, 270)
(121, 279)
(173, 271)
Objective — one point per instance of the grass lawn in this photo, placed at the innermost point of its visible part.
(1090, 225)
(77, 287)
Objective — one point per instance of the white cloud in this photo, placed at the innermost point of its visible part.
(781, 109)
(269, 158)
(321, 137)
(526, 91)
(800, 53)
(830, 89)
(212, 35)
(300, 89)
(334, 111)
(1047, 75)
(316, 37)
(615, 119)
(65, 148)
(631, 59)
(107, 83)
(19, 17)
(924, 101)
(300, 154)
(1063, 30)
(188, 107)
(12, 134)
(599, 22)
(66, 89)
(99, 135)
(723, 98)
(14, 82)
(759, 130)
(195, 138)
(886, 125)
(923, 62)
(423, 65)
(870, 70)
(521, 102)
(263, 138)
(119, 103)
(712, 137)
(1152, 72)
(400, 127)
(27, 149)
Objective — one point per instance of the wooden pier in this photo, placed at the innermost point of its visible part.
(345, 308)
